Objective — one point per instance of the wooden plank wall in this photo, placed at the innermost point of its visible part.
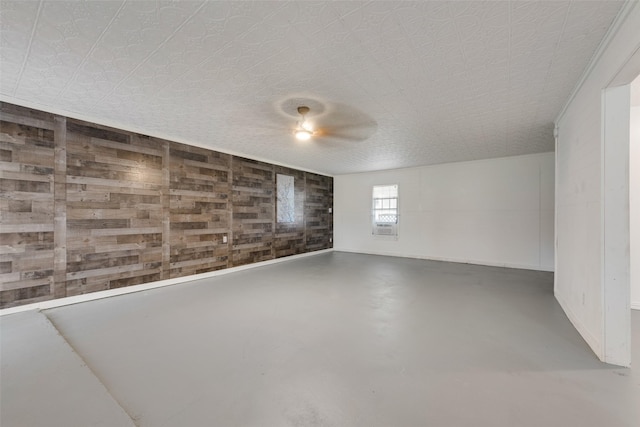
(319, 221)
(114, 208)
(253, 211)
(26, 206)
(200, 209)
(86, 207)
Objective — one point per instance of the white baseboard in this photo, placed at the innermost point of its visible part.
(43, 305)
(460, 261)
(635, 305)
(587, 335)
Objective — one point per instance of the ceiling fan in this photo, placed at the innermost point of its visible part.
(332, 122)
(304, 129)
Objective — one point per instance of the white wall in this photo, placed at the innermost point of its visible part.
(580, 233)
(491, 212)
(634, 193)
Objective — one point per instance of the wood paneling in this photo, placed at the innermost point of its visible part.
(85, 207)
(318, 219)
(114, 208)
(290, 237)
(27, 144)
(199, 206)
(253, 211)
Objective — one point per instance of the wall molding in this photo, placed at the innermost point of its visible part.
(127, 127)
(447, 164)
(602, 47)
(92, 296)
(445, 259)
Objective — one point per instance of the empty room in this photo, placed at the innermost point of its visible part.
(319, 213)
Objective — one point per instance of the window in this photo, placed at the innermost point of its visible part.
(385, 210)
(285, 205)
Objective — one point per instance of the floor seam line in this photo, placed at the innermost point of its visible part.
(91, 370)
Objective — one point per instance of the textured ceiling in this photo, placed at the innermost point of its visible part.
(421, 82)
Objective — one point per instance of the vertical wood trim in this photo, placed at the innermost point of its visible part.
(166, 217)
(274, 201)
(230, 208)
(60, 208)
(304, 213)
(330, 215)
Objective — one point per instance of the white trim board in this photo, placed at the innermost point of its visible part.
(60, 302)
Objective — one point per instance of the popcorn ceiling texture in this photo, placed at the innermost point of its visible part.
(443, 81)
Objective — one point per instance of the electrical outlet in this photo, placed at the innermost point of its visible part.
(330, 210)
(224, 239)
(330, 239)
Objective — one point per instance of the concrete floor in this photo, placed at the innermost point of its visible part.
(331, 340)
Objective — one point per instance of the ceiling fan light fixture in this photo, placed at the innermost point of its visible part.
(303, 134)
(304, 130)
(306, 125)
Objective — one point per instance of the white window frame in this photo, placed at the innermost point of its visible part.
(385, 210)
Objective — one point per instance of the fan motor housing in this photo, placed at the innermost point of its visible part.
(303, 110)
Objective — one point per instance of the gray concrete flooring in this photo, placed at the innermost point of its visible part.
(331, 340)
(43, 382)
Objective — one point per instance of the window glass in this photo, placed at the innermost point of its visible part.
(385, 210)
(285, 204)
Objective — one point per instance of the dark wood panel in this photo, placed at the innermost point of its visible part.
(199, 210)
(253, 211)
(318, 219)
(26, 206)
(114, 208)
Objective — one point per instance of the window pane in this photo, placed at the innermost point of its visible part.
(385, 191)
(385, 210)
(285, 203)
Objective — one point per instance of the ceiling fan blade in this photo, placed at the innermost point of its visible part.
(346, 134)
(346, 123)
(330, 123)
